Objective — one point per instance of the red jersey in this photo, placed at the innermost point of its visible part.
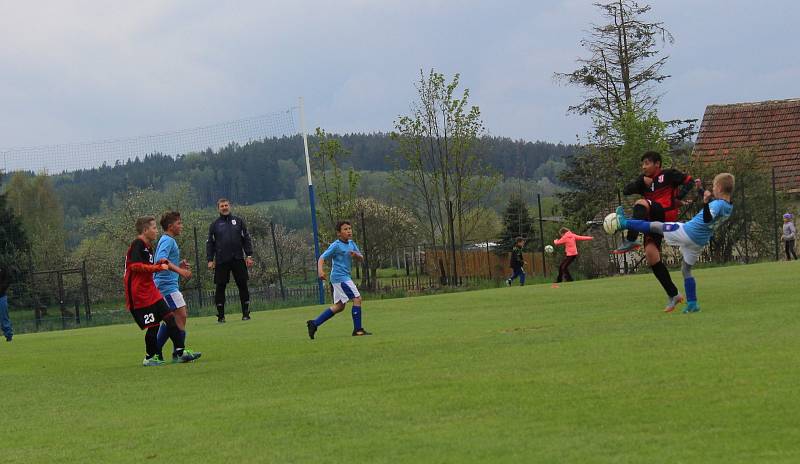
(669, 186)
(140, 290)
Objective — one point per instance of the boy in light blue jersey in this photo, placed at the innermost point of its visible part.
(694, 235)
(341, 253)
(167, 283)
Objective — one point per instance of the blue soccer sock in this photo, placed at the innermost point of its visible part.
(638, 225)
(644, 226)
(163, 335)
(327, 314)
(356, 317)
(691, 289)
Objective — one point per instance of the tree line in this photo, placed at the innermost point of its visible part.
(270, 169)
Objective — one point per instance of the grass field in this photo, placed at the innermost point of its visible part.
(589, 372)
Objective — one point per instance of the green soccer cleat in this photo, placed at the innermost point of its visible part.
(187, 356)
(691, 307)
(154, 361)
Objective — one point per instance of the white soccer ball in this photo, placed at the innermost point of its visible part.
(549, 248)
(611, 223)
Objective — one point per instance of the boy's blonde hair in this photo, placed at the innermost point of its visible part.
(726, 182)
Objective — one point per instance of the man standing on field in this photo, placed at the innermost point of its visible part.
(229, 250)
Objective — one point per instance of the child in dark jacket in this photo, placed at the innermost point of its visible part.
(517, 262)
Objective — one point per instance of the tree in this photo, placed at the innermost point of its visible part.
(337, 186)
(440, 169)
(516, 223)
(13, 240)
(624, 63)
(39, 209)
(388, 230)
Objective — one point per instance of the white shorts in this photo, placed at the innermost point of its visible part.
(175, 300)
(345, 291)
(679, 238)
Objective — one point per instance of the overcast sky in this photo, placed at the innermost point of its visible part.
(76, 71)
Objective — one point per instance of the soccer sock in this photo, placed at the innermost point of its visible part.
(327, 314)
(356, 317)
(691, 289)
(639, 212)
(162, 336)
(151, 342)
(177, 338)
(662, 274)
(637, 226)
(220, 309)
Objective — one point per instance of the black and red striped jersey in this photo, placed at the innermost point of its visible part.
(140, 290)
(669, 186)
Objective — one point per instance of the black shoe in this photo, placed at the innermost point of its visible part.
(312, 329)
(220, 319)
(246, 317)
(361, 332)
(8, 339)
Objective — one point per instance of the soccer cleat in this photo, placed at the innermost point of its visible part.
(361, 332)
(626, 247)
(220, 319)
(691, 307)
(555, 286)
(508, 282)
(672, 302)
(187, 356)
(246, 317)
(154, 361)
(8, 338)
(621, 219)
(312, 329)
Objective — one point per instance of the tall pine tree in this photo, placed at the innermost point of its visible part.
(516, 223)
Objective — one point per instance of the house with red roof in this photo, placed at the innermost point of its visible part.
(771, 128)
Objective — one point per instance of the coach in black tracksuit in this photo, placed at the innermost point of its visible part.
(229, 249)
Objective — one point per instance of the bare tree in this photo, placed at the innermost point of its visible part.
(442, 173)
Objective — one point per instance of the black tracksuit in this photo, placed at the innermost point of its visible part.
(228, 244)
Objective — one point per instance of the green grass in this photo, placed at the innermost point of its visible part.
(589, 372)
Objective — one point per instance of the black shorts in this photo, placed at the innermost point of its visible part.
(152, 315)
(657, 213)
(222, 272)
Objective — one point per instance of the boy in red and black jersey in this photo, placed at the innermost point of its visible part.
(142, 298)
(664, 192)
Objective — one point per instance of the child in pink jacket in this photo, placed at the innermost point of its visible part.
(569, 240)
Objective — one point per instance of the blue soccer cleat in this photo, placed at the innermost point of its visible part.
(621, 219)
(691, 307)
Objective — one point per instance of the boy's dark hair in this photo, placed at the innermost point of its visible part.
(340, 224)
(143, 223)
(519, 239)
(169, 218)
(652, 156)
(563, 230)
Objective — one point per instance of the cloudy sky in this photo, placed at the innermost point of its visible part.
(76, 71)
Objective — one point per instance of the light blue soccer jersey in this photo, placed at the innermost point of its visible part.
(167, 281)
(700, 232)
(339, 254)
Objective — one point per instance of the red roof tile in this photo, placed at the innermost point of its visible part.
(770, 127)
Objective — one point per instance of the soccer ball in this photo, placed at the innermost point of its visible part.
(549, 248)
(611, 223)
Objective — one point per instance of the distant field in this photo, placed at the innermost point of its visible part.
(589, 372)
